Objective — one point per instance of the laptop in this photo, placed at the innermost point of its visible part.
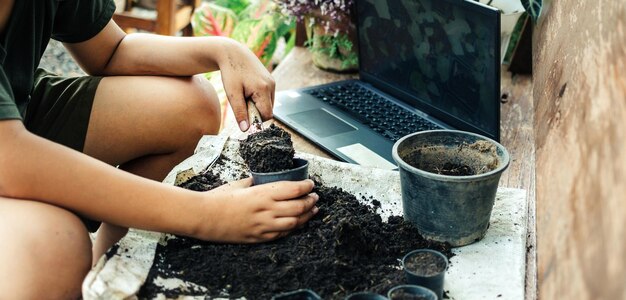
(423, 65)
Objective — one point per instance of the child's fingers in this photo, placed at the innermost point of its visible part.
(284, 225)
(296, 207)
(288, 190)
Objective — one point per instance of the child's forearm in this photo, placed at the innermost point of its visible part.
(149, 54)
(36, 169)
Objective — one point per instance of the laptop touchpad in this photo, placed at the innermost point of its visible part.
(321, 122)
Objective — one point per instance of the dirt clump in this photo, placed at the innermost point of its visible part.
(269, 150)
(202, 182)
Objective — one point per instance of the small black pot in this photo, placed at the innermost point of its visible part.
(434, 282)
(365, 296)
(412, 290)
(299, 172)
(302, 294)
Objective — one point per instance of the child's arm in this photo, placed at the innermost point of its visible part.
(112, 52)
(36, 169)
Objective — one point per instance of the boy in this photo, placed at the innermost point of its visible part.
(142, 110)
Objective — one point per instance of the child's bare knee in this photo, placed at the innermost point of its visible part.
(206, 105)
(50, 252)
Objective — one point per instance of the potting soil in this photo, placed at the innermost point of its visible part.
(345, 248)
(269, 150)
(425, 264)
(402, 295)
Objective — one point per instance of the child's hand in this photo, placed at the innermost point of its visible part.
(245, 77)
(241, 213)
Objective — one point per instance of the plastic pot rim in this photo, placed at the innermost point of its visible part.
(412, 286)
(437, 253)
(404, 165)
(365, 294)
(306, 164)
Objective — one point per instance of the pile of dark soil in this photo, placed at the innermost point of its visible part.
(345, 248)
(269, 150)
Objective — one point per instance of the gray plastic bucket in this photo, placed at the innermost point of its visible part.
(449, 208)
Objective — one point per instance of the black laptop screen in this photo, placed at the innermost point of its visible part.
(440, 56)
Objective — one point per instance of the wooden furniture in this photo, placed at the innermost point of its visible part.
(172, 16)
(517, 135)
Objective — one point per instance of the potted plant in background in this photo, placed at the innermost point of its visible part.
(331, 31)
(513, 11)
(256, 23)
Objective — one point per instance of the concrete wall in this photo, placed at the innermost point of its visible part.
(580, 127)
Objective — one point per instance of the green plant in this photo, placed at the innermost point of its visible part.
(255, 23)
(515, 36)
(335, 47)
(533, 8)
(328, 13)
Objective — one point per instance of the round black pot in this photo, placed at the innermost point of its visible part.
(433, 281)
(299, 172)
(449, 208)
(365, 296)
(411, 291)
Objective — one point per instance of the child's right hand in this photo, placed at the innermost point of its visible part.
(241, 213)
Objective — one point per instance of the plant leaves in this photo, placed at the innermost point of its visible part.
(533, 8)
(259, 35)
(237, 6)
(213, 20)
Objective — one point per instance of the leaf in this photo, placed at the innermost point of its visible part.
(258, 9)
(533, 7)
(259, 35)
(213, 20)
(237, 6)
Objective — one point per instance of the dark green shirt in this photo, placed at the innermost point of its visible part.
(30, 26)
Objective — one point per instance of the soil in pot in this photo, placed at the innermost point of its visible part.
(425, 264)
(345, 248)
(403, 295)
(269, 150)
(462, 160)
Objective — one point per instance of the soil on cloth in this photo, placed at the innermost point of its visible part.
(462, 160)
(425, 264)
(269, 150)
(345, 248)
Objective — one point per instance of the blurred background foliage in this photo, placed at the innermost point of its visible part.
(258, 24)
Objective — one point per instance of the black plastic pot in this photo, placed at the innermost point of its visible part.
(411, 290)
(302, 294)
(433, 280)
(449, 208)
(365, 296)
(299, 172)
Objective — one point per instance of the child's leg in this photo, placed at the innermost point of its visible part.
(108, 234)
(147, 125)
(45, 251)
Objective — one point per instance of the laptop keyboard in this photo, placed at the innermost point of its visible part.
(384, 117)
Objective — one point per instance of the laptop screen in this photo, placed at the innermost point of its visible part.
(440, 56)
